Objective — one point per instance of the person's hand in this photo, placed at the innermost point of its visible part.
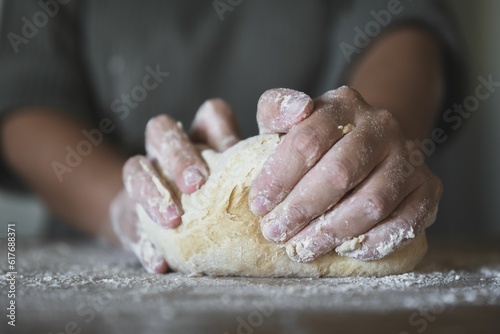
(173, 166)
(339, 173)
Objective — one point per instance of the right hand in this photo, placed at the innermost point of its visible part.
(173, 166)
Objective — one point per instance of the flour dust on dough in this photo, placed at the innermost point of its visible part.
(220, 236)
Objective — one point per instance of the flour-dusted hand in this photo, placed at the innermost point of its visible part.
(128, 229)
(173, 166)
(339, 173)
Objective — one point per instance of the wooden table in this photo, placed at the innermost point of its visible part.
(87, 287)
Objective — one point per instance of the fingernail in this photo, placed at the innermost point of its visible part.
(274, 231)
(158, 265)
(260, 205)
(152, 260)
(172, 217)
(192, 176)
(293, 107)
(173, 212)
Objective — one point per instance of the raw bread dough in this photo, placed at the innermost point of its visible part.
(220, 236)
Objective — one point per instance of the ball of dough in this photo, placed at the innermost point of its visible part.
(220, 236)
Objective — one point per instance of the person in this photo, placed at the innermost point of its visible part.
(81, 80)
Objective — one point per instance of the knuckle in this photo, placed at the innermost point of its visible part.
(386, 120)
(307, 145)
(338, 176)
(347, 91)
(345, 94)
(276, 190)
(298, 214)
(376, 207)
(399, 151)
(432, 184)
(410, 146)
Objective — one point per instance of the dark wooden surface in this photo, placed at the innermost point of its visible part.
(85, 287)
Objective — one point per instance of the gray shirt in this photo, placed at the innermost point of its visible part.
(121, 61)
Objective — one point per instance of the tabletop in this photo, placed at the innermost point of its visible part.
(68, 286)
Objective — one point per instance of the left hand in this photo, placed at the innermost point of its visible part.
(173, 166)
(339, 173)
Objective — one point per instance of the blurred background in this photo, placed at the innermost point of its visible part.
(468, 164)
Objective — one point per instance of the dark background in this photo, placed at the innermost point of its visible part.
(469, 163)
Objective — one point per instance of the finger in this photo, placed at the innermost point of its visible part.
(319, 238)
(337, 173)
(279, 109)
(167, 143)
(351, 159)
(124, 219)
(306, 143)
(215, 124)
(145, 187)
(417, 212)
(126, 226)
(299, 150)
(151, 259)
